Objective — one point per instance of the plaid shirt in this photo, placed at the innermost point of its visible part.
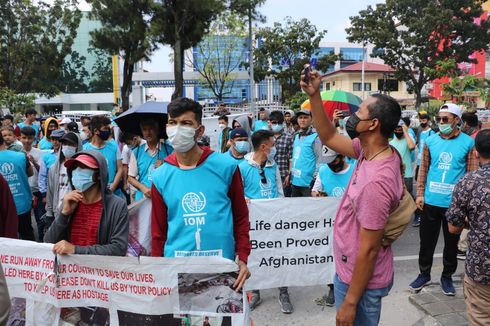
(284, 147)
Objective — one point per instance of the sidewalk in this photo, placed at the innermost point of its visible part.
(441, 309)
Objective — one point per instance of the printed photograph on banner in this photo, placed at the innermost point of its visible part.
(131, 319)
(209, 292)
(87, 316)
(17, 314)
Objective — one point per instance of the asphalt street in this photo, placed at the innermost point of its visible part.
(397, 310)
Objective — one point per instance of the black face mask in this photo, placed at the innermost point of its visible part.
(399, 135)
(336, 167)
(351, 124)
(423, 125)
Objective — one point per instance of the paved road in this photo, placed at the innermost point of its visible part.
(397, 310)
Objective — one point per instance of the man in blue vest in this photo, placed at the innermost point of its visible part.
(308, 152)
(404, 144)
(100, 128)
(332, 179)
(198, 205)
(239, 145)
(423, 132)
(16, 168)
(147, 157)
(48, 160)
(262, 180)
(261, 122)
(446, 157)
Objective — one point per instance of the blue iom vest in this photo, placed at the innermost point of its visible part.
(424, 134)
(200, 219)
(304, 160)
(252, 181)
(45, 144)
(260, 125)
(334, 184)
(447, 166)
(13, 168)
(232, 158)
(110, 153)
(146, 164)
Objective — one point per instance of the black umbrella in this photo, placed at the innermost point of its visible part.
(129, 121)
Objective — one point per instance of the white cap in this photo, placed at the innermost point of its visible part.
(451, 108)
(328, 155)
(65, 121)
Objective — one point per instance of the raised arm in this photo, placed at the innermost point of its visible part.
(324, 127)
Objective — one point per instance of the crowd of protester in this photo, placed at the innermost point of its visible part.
(76, 181)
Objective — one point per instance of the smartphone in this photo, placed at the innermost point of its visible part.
(306, 73)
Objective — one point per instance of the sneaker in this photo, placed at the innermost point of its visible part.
(461, 255)
(447, 286)
(285, 303)
(416, 221)
(420, 282)
(255, 300)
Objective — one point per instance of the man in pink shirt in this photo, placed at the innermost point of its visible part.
(364, 268)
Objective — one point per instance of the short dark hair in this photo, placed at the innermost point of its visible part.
(482, 143)
(150, 122)
(30, 111)
(1, 139)
(124, 136)
(223, 117)
(28, 131)
(260, 136)
(407, 121)
(182, 105)
(98, 122)
(9, 116)
(294, 120)
(85, 117)
(277, 116)
(387, 110)
(470, 118)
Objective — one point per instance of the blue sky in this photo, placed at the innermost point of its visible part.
(332, 15)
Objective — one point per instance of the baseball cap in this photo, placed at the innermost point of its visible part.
(328, 154)
(304, 111)
(238, 132)
(70, 137)
(73, 126)
(65, 121)
(58, 133)
(84, 159)
(451, 108)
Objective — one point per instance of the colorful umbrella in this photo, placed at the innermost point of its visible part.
(336, 100)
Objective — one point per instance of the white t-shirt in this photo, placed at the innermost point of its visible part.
(126, 154)
(37, 154)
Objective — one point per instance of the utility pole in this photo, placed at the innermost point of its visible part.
(362, 70)
(251, 62)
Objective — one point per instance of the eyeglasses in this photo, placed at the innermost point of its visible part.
(444, 119)
(262, 176)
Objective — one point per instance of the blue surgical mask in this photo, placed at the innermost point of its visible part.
(242, 146)
(277, 127)
(82, 179)
(272, 154)
(445, 129)
(68, 151)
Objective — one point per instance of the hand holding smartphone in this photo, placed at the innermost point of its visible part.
(306, 73)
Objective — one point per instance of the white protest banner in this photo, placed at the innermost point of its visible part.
(125, 290)
(292, 242)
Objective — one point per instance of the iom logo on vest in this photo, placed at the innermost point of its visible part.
(7, 170)
(265, 189)
(444, 162)
(193, 205)
(337, 192)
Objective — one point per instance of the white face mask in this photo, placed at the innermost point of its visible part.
(221, 126)
(181, 138)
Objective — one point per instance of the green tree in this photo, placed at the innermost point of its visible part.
(458, 87)
(284, 51)
(101, 76)
(15, 102)
(125, 31)
(415, 36)
(221, 53)
(74, 76)
(35, 39)
(182, 25)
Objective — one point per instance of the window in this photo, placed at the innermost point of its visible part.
(356, 87)
(327, 86)
(352, 54)
(387, 85)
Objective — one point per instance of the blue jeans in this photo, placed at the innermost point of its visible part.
(369, 306)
